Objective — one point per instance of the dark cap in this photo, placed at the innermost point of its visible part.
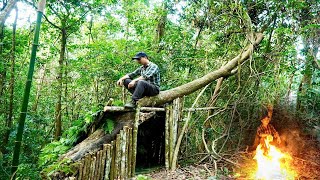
(139, 55)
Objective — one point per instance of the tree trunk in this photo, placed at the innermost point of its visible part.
(38, 95)
(226, 70)
(3, 72)
(11, 86)
(58, 122)
(5, 13)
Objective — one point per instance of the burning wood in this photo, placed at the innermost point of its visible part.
(271, 162)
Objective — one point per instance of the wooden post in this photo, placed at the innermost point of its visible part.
(85, 169)
(130, 153)
(93, 166)
(171, 132)
(117, 158)
(109, 149)
(101, 165)
(81, 168)
(126, 130)
(134, 141)
(97, 168)
(173, 115)
(177, 115)
(167, 138)
(123, 153)
(103, 161)
(112, 157)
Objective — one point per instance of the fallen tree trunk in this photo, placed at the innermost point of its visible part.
(226, 70)
(96, 140)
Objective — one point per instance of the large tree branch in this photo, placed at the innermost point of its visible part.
(5, 13)
(51, 23)
(169, 95)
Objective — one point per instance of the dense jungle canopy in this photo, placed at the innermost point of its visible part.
(233, 57)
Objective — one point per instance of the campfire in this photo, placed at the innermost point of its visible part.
(271, 162)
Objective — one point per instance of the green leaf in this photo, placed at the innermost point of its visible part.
(109, 126)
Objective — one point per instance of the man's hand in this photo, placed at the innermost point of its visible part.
(120, 82)
(131, 84)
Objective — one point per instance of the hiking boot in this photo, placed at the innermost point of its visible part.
(131, 105)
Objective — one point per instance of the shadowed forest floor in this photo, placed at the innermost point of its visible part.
(306, 165)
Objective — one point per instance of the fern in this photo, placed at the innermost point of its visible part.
(108, 126)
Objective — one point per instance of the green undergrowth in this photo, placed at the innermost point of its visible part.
(66, 166)
(50, 153)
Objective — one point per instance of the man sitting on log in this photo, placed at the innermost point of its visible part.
(147, 82)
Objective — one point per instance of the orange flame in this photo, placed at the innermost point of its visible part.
(271, 162)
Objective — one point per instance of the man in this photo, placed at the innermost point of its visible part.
(266, 130)
(146, 82)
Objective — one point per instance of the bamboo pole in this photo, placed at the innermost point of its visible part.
(123, 154)
(81, 167)
(24, 108)
(99, 168)
(171, 141)
(101, 164)
(200, 109)
(90, 166)
(103, 161)
(93, 167)
(167, 138)
(120, 152)
(109, 149)
(117, 159)
(177, 114)
(134, 141)
(127, 152)
(112, 156)
(130, 153)
(96, 172)
(87, 166)
(84, 168)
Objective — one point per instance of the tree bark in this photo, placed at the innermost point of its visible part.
(7, 10)
(58, 122)
(225, 70)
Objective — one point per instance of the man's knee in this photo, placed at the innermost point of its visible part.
(141, 83)
(126, 82)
